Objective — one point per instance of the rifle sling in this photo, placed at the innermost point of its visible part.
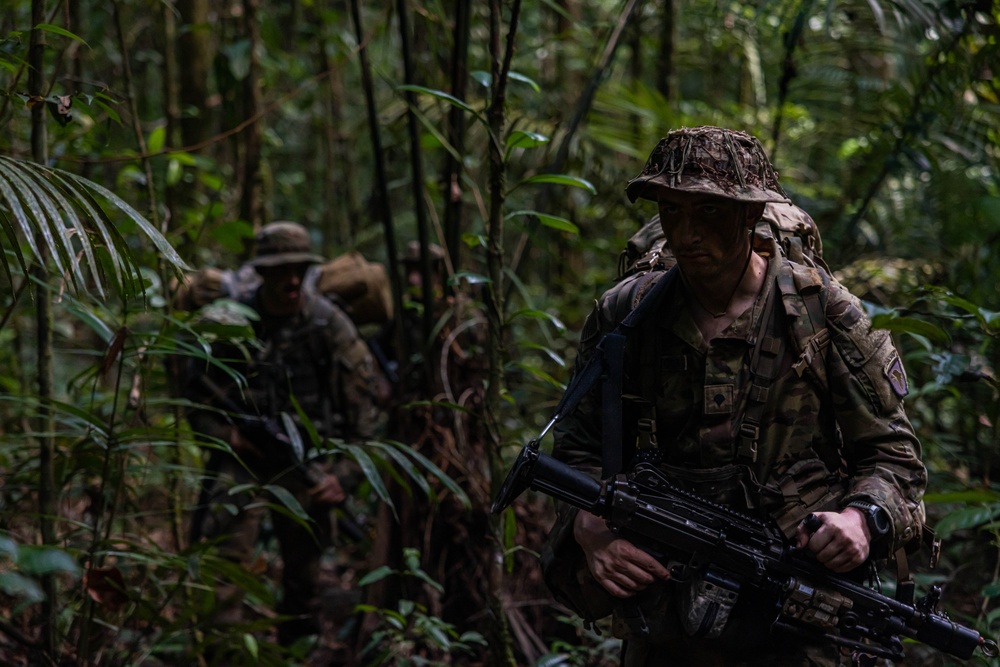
(607, 362)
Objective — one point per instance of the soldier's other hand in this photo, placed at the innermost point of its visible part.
(622, 568)
(328, 491)
(841, 543)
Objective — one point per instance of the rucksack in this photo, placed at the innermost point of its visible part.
(360, 287)
(794, 230)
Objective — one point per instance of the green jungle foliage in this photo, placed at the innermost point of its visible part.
(140, 140)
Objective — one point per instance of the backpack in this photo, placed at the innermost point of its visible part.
(360, 287)
(794, 230)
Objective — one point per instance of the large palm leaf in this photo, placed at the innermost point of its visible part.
(59, 215)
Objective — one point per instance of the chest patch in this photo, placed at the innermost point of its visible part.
(718, 399)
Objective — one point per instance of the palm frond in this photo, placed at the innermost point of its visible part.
(59, 216)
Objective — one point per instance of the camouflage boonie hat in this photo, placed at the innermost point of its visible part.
(709, 160)
(281, 243)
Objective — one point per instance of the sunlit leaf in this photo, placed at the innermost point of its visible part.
(562, 179)
(56, 30)
(552, 221)
(522, 139)
(517, 76)
(441, 95)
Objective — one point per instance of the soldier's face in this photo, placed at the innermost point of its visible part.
(707, 234)
(281, 291)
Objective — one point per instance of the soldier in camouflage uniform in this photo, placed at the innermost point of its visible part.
(309, 353)
(759, 384)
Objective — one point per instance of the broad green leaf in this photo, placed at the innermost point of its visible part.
(540, 374)
(378, 574)
(517, 76)
(562, 179)
(371, 473)
(91, 319)
(250, 643)
(552, 221)
(968, 517)
(547, 351)
(440, 94)
(402, 462)
(56, 30)
(8, 547)
(108, 109)
(167, 251)
(432, 468)
(969, 496)
(45, 560)
(288, 500)
(426, 578)
(156, 140)
(522, 139)
(19, 586)
(911, 325)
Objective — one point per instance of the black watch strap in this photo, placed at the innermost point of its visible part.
(876, 518)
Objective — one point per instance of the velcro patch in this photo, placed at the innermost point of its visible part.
(896, 376)
(718, 399)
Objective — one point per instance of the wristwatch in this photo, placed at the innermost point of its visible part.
(876, 518)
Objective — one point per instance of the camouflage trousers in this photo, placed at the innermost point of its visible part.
(233, 522)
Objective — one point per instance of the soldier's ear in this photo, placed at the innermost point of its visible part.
(754, 212)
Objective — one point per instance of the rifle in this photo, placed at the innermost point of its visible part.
(700, 540)
(283, 452)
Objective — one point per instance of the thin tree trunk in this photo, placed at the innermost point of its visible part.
(496, 115)
(456, 136)
(194, 62)
(170, 105)
(666, 73)
(341, 203)
(251, 204)
(381, 194)
(48, 493)
(417, 171)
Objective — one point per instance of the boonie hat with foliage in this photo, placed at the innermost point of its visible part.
(284, 242)
(709, 160)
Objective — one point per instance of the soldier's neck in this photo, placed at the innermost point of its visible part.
(716, 305)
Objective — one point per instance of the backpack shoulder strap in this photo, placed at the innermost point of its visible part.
(805, 291)
(627, 304)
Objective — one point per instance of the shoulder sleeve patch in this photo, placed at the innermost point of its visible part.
(896, 376)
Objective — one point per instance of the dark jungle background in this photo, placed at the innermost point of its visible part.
(141, 140)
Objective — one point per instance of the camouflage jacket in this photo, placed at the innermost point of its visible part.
(832, 424)
(316, 358)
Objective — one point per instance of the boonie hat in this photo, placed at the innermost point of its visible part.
(284, 242)
(709, 160)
